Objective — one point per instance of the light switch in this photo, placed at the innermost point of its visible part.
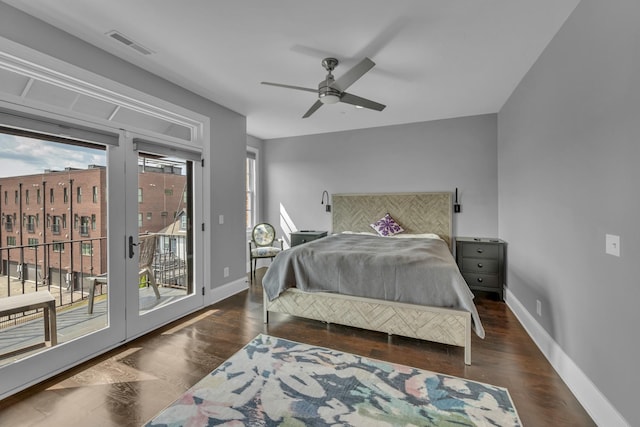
(612, 243)
(220, 219)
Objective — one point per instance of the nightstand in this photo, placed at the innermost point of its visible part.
(304, 236)
(482, 263)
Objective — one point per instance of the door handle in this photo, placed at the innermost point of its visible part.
(131, 245)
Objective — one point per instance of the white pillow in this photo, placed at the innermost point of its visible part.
(365, 233)
(417, 236)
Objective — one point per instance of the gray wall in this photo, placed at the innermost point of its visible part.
(430, 156)
(569, 149)
(228, 129)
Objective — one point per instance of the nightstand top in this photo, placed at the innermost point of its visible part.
(309, 232)
(480, 240)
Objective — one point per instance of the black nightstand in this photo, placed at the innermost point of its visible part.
(482, 263)
(304, 236)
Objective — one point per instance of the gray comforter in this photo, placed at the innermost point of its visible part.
(411, 270)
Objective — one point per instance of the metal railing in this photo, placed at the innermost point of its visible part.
(171, 270)
(66, 268)
(61, 267)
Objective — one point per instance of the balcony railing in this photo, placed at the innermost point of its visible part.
(62, 267)
(66, 268)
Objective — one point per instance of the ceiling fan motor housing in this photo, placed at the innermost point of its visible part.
(327, 94)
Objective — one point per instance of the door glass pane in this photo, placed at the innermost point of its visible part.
(51, 246)
(165, 195)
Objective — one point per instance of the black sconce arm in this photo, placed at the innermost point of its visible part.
(328, 207)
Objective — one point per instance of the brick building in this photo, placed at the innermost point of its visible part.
(56, 220)
(161, 195)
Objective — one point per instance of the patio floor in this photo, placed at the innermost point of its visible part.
(72, 322)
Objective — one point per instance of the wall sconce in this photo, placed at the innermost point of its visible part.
(456, 205)
(328, 206)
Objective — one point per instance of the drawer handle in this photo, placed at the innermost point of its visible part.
(479, 279)
(479, 251)
(479, 265)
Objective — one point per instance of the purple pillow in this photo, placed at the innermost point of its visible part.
(387, 226)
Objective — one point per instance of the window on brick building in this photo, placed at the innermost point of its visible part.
(87, 248)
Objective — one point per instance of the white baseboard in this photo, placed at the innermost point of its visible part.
(594, 402)
(225, 291)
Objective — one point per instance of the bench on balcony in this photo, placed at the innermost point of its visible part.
(33, 301)
(95, 281)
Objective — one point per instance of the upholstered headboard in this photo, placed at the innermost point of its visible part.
(416, 212)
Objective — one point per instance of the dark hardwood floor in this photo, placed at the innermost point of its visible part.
(129, 385)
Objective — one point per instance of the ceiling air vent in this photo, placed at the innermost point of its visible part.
(121, 38)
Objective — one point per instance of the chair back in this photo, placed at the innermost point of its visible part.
(263, 234)
(147, 250)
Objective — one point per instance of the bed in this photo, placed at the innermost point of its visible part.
(307, 280)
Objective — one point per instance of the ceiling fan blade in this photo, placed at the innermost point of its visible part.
(291, 87)
(350, 77)
(361, 102)
(313, 109)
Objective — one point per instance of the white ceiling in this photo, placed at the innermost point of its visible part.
(435, 59)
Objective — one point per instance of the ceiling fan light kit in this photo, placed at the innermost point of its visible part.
(329, 98)
(332, 91)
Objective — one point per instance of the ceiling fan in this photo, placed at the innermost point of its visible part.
(332, 91)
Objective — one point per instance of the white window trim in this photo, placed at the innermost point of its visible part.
(31, 63)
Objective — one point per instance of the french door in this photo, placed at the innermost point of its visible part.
(163, 245)
(116, 243)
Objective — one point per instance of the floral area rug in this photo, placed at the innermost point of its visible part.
(273, 381)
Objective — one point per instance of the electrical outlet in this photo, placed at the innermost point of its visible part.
(538, 307)
(612, 244)
(226, 272)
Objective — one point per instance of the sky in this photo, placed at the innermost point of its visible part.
(27, 156)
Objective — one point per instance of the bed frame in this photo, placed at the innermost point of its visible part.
(417, 213)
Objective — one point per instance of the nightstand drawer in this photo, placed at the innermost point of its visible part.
(304, 236)
(479, 265)
(480, 250)
(481, 280)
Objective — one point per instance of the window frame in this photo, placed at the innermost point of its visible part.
(252, 195)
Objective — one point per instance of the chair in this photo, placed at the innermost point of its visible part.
(147, 247)
(147, 252)
(262, 237)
